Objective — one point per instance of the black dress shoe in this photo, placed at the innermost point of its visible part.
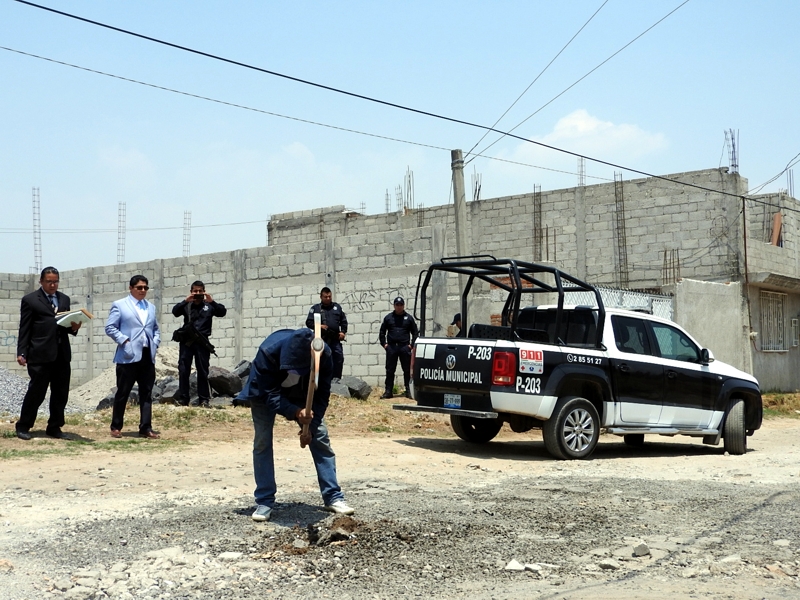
(56, 433)
(387, 395)
(152, 434)
(23, 435)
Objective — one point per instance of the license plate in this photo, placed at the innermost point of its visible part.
(452, 400)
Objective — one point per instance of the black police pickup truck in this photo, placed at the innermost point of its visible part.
(570, 369)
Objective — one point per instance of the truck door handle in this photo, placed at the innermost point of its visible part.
(624, 368)
(671, 374)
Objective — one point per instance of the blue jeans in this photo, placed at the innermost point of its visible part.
(264, 464)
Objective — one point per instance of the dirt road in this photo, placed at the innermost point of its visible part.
(436, 518)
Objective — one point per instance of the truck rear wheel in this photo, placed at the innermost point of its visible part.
(573, 429)
(635, 440)
(476, 431)
(734, 432)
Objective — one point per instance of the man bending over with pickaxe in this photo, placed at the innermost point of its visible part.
(291, 376)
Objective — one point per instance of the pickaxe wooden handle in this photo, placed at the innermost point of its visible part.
(317, 346)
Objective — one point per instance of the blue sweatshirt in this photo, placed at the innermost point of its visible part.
(283, 351)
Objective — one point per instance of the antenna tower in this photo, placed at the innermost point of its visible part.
(732, 140)
(121, 233)
(37, 232)
(187, 232)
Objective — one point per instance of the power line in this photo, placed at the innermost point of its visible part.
(384, 102)
(554, 98)
(536, 78)
(109, 230)
(410, 109)
(274, 114)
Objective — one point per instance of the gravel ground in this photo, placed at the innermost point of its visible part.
(83, 398)
(12, 391)
(435, 519)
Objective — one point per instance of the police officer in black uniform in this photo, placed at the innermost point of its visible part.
(334, 327)
(398, 332)
(198, 308)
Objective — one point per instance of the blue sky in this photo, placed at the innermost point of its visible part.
(89, 142)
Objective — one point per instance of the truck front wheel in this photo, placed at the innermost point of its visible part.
(573, 429)
(476, 431)
(734, 431)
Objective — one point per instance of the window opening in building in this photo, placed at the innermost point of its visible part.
(773, 322)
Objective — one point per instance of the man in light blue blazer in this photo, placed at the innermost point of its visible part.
(132, 325)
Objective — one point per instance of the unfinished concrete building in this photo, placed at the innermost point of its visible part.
(732, 268)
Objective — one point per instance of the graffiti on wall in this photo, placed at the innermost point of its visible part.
(371, 299)
(7, 339)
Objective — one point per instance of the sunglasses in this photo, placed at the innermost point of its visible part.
(141, 287)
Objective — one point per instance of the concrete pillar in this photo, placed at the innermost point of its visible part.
(580, 232)
(157, 282)
(238, 303)
(438, 288)
(330, 265)
(88, 330)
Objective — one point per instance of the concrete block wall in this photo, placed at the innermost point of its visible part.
(264, 289)
(703, 227)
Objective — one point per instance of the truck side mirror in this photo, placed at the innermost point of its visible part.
(706, 356)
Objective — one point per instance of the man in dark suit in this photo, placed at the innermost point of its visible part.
(43, 347)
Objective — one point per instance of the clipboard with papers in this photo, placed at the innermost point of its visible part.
(67, 318)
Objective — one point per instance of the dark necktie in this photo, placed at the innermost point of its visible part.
(52, 302)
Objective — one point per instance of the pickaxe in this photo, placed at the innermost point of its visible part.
(317, 346)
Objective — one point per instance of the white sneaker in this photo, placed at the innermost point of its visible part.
(340, 508)
(262, 513)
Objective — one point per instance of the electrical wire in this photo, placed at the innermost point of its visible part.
(274, 114)
(795, 159)
(536, 78)
(410, 109)
(393, 104)
(129, 229)
(508, 134)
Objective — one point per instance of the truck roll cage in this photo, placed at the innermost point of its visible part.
(517, 279)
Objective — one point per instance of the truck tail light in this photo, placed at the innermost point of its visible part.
(504, 368)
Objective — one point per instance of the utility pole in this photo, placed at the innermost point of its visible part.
(459, 197)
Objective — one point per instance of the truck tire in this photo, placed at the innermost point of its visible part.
(573, 429)
(734, 432)
(475, 431)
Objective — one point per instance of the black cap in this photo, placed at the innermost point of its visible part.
(399, 300)
(456, 319)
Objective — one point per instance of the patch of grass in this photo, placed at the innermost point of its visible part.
(10, 433)
(184, 418)
(777, 404)
(380, 429)
(41, 448)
